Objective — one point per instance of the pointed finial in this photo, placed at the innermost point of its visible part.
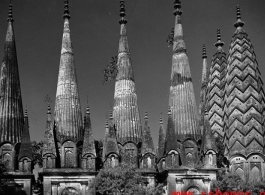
(204, 55)
(87, 110)
(107, 123)
(49, 109)
(110, 115)
(146, 115)
(239, 22)
(219, 42)
(10, 13)
(169, 111)
(122, 12)
(177, 6)
(66, 10)
(26, 113)
(161, 120)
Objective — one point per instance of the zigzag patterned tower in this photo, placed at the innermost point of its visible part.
(181, 96)
(244, 99)
(215, 94)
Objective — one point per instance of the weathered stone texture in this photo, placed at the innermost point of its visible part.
(125, 111)
(244, 99)
(11, 109)
(181, 97)
(67, 113)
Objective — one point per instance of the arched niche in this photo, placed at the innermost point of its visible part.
(172, 159)
(130, 154)
(69, 154)
(254, 174)
(191, 151)
(240, 172)
(194, 190)
(8, 155)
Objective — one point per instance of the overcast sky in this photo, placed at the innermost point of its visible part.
(95, 34)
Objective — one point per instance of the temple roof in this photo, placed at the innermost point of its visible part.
(11, 109)
(67, 113)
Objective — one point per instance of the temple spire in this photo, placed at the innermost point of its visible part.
(161, 140)
(25, 149)
(126, 115)
(147, 144)
(11, 109)
(205, 75)
(67, 113)
(244, 98)
(182, 98)
(239, 22)
(88, 142)
(216, 87)
(10, 13)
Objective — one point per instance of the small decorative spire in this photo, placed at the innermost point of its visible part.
(107, 123)
(10, 13)
(110, 115)
(204, 55)
(169, 111)
(122, 13)
(219, 42)
(146, 115)
(177, 6)
(87, 110)
(239, 22)
(26, 113)
(66, 10)
(161, 119)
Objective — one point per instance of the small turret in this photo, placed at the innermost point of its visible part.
(88, 151)
(148, 149)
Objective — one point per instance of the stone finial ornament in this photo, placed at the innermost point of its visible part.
(204, 54)
(66, 10)
(219, 42)
(239, 22)
(10, 13)
(122, 13)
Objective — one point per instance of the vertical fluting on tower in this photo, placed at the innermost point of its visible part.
(125, 111)
(205, 75)
(181, 97)
(216, 85)
(11, 109)
(244, 97)
(67, 113)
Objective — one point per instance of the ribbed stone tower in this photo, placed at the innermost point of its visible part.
(205, 75)
(67, 113)
(215, 89)
(244, 107)
(125, 111)
(11, 109)
(14, 129)
(181, 97)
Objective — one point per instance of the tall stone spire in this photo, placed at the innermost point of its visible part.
(181, 97)
(67, 113)
(216, 88)
(244, 97)
(205, 75)
(125, 111)
(170, 141)
(11, 109)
